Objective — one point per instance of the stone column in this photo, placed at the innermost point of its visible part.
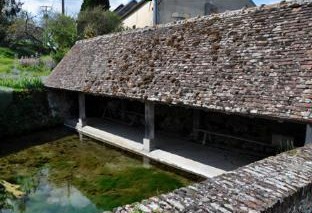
(148, 141)
(146, 162)
(196, 123)
(82, 110)
(308, 138)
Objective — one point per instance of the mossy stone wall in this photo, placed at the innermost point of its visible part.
(26, 111)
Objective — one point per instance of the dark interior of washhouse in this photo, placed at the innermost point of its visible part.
(252, 135)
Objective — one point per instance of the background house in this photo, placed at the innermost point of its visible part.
(141, 14)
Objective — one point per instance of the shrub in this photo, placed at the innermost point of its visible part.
(97, 21)
(29, 61)
(36, 66)
(61, 35)
(48, 62)
(59, 54)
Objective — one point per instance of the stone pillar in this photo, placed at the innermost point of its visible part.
(148, 141)
(146, 162)
(308, 138)
(81, 138)
(196, 123)
(82, 110)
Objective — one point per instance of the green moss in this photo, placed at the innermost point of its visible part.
(105, 176)
(133, 185)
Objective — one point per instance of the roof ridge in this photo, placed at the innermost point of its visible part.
(200, 18)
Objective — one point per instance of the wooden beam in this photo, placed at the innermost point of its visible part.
(82, 110)
(206, 132)
(308, 138)
(148, 141)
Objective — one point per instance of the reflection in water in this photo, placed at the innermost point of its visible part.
(67, 176)
(45, 197)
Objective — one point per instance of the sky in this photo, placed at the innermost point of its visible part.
(72, 7)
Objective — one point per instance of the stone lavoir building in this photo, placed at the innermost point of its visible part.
(240, 81)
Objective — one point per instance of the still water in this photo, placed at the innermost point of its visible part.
(64, 175)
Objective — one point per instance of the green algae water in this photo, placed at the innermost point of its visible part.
(65, 175)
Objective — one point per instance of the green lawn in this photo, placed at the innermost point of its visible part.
(6, 60)
(19, 77)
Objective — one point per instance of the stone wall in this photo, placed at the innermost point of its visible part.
(6, 97)
(63, 104)
(279, 184)
(25, 111)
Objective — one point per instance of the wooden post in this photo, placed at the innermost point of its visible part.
(63, 7)
(308, 138)
(148, 141)
(82, 110)
(196, 123)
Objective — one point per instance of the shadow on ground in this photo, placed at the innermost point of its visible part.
(15, 144)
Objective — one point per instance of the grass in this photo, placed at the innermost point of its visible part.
(5, 68)
(22, 83)
(6, 64)
(28, 78)
(6, 60)
(6, 53)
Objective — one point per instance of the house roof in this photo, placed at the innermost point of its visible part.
(125, 10)
(255, 61)
(129, 8)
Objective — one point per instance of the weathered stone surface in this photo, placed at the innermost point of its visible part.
(253, 61)
(279, 184)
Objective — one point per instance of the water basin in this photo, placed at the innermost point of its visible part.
(58, 173)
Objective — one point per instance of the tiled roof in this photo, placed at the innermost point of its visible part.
(254, 61)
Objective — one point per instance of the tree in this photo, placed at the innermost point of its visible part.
(97, 21)
(90, 4)
(25, 36)
(8, 10)
(60, 34)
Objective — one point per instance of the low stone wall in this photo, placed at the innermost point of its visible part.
(63, 104)
(25, 111)
(6, 97)
(279, 184)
